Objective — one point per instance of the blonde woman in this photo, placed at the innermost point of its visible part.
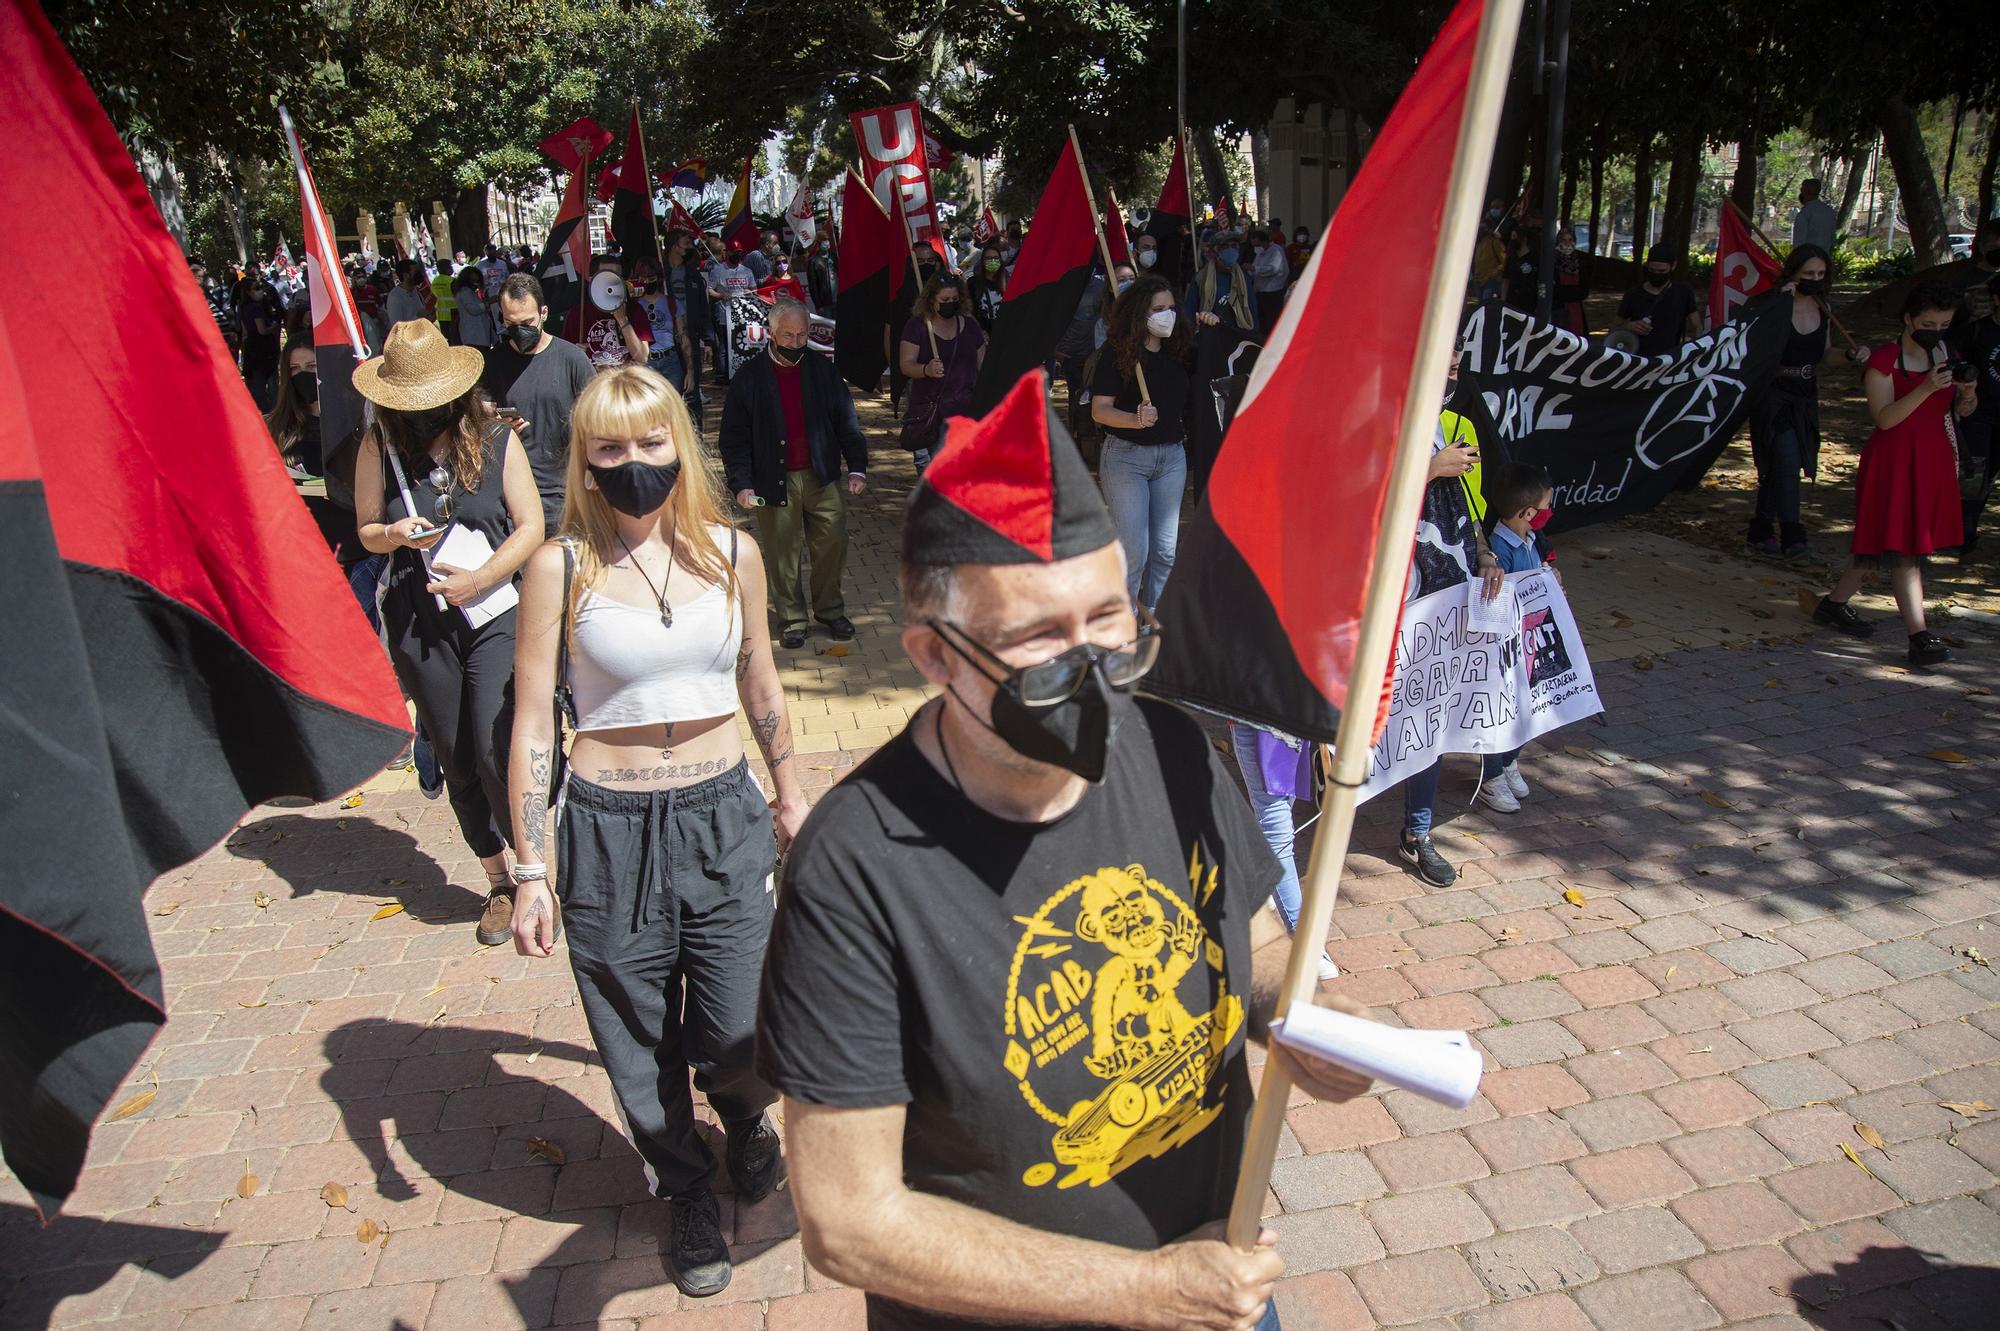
(665, 841)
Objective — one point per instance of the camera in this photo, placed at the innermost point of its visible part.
(1964, 371)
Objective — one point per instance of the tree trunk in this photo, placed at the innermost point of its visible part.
(1357, 145)
(1850, 193)
(1683, 180)
(233, 207)
(1510, 143)
(163, 182)
(471, 222)
(1743, 188)
(1568, 208)
(1642, 200)
(1215, 176)
(1596, 196)
(1951, 156)
(1260, 172)
(1923, 211)
(1986, 169)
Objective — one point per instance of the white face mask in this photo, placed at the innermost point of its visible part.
(1160, 323)
(1147, 258)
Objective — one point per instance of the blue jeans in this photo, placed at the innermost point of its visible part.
(1274, 815)
(1142, 486)
(1269, 1322)
(1496, 763)
(1420, 793)
(668, 364)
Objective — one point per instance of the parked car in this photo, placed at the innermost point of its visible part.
(1961, 244)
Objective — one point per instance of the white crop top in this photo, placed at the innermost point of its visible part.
(626, 668)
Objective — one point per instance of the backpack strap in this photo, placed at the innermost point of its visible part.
(565, 702)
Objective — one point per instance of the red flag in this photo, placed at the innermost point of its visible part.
(180, 646)
(632, 218)
(1174, 200)
(893, 156)
(565, 263)
(338, 345)
(986, 227)
(872, 254)
(1743, 268)
(1116, 238)
(1048, 280)
(1262, 613)
(571, 144)
(678, 218)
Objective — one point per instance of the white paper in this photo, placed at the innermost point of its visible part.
(462, 547)
(1438, 1065)
(1497, 618)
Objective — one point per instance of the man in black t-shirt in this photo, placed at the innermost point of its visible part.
(1661, 312)
(1012, 969)
(533, 379)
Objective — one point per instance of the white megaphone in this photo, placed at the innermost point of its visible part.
(607, 291)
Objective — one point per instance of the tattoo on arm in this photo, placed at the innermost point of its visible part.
(535, 803)
(743, 659)
(773, 737)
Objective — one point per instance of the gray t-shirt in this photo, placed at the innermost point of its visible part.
(542, 387)
(1814, 224)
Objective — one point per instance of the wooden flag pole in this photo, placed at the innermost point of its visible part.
(1765, 240)
(1103, 246)
(646, 168)
(916, 273)
(1374, 641)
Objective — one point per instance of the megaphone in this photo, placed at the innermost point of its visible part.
(1623, 339)
(607, 291)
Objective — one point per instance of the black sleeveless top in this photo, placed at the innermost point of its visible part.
(483, 510)
(1802, 350)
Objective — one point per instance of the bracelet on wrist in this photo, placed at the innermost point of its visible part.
(531, 873)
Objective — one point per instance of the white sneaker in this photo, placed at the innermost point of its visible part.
(1495, 795)
(1517, 784)
(1327, 970)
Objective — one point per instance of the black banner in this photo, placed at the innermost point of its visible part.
(1618, 432)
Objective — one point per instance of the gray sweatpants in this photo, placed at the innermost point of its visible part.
(664, 900)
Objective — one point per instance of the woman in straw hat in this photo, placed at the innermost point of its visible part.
(665, 841)
(436, 457)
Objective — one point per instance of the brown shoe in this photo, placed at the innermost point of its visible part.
(496, 924)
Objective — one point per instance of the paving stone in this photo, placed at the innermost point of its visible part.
(1783, 1035)
(1639, 1237)
(1417, 1115)
(1841, 976)
(1773, 991)
(1607, 986)
(1874, 1064)
(1425, 1162)
(1400, 1290)
(1608, 1125)
(1726, 1155)
(1908, 958)
(1657, 1299)
(1327, 1239)
(1748, 1282)
(1433, 1218)
(1928, 1170)
(1861, 1017)
(1529, 1043)
(1309, 1182)
(1530, 1262)
(1618, 1072)
(1627, 1178)
(1530, 1090)
(1340, 1127)
(1704, 1053)
(1855, 1258)
(1530, 1000)
(1620, 1027)
(1693, 1010)
(1750, 956)
(1708, 1103)
(1933, 998)
(1736, 1215)
(1525, 1142)
(1793, 1082)
(1544, 1195)
(1901, 1113)
(1542, 1312)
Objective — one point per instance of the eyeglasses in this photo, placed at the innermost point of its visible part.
(441, 482)
(1058, 679)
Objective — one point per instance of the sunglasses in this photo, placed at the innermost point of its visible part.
(441, 482)
(1055, 681)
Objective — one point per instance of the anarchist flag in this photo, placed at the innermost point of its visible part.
(632, 220)
(1048, 281)
(1116, 238)
(739, 228)
(1262, 610)
(1743, 268)
(872, 254)
(564, 267)
(336, 328)
(1168, 222)
(179, 646)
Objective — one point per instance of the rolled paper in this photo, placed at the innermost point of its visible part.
(1438, 1065)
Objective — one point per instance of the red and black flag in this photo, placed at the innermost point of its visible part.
(632, 220)
(338, 345)
(564, 267)
(179, 648)
(1262, 611)
(1117, 239)
(1047, 283)
(873, 258)
(1169, 221)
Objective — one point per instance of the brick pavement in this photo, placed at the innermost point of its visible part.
(1783, 899)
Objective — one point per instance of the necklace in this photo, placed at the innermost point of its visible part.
(660, 592)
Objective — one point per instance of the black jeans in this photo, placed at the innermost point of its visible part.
(1975, 470)
(462, 682)
(1779, 464)
(665, 899)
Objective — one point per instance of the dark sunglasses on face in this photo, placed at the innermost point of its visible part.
(1057, 680)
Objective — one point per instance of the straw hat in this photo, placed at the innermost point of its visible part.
(418, 369)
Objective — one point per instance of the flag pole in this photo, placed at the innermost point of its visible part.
(646, 170)
(1103, 245)
(1374, 639)
(1772, 249)
(909, 248)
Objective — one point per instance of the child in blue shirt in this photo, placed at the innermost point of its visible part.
(1519, 502)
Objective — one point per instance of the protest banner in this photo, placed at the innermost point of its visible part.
(891, 139)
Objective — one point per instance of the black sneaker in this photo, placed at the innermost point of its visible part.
(792, 639)
(840, 626)
(753, 1158)
(1432, 867)
(700, 1258)
(1928, 649)
(1798, 554)
(1767, 547)
(1840, 615)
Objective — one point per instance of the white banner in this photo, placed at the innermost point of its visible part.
(1459, 691)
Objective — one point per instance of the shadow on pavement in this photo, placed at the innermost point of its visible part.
(365, 856)
(81, 1260)
(1902, 1288)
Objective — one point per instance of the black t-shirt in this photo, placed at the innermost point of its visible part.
(1667, 309)
(1059, 1005)
(542, 387)
(1165, 380)
(1523, 281)
(1982, 348)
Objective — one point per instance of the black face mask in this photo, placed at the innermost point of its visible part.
(1927, 338)
(637, 488)
(1075, 735)
(1811, 286)
(523, 337)
(1992, 257)
(1654, 279)
(787, 355)
(947, 309)
(429, 423)
(305, 387)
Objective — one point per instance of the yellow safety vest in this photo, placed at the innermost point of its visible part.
(447, 303)
(1460, 430)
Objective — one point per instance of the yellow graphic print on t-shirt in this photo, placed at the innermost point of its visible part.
(1096, 982)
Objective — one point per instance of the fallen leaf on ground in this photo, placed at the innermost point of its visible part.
(393, 908)
(436, 1017)
(838, 649)
(1848, 1151)
(1770, 683)
(547, 1150)
(334, 1194)
(1574, 897)
(1947, 756)
(240, 1003)
(368, 1231)
(261, 900)
(1670, 972)
(1772, 582)
(1872, 1137)
(437, 989)
(247, 1185)
(1642, 663)
(353, 801)
(1973, 955)
(134, 1105)
(168, 909)
(1621, 623)
(1979, 693)
(1966, 1108)
(1508, 934)
(1715, 801)
(535, 1055)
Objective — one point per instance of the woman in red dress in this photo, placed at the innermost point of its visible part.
(1906, 495)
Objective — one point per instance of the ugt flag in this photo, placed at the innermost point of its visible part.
(179, 646)
(1262, 610)
(799, 215)
(1743, 268)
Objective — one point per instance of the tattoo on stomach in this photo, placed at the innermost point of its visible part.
(679, 772)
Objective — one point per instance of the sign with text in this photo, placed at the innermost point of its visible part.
(893, 156)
